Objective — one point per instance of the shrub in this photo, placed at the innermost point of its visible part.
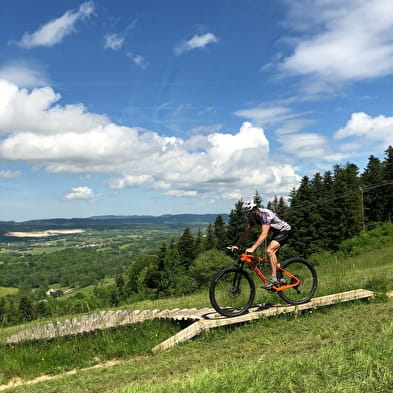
(206, 264)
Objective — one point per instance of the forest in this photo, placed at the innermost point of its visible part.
(324, 212)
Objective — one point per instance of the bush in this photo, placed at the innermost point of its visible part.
(206, 264)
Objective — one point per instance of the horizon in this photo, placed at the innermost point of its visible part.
(117, 217)
(155, 108)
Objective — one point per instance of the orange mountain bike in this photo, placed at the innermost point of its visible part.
(232, 289)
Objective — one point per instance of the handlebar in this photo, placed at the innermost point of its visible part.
(238, 251)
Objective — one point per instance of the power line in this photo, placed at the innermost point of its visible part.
(342, 195)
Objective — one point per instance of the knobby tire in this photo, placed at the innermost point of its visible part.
(232, 291)
(302, 269)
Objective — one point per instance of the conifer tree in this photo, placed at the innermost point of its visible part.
(185, 246)
(237, 223)
(281, 208)
(374, 199)
(198, 243)
(327, 208)
(348, 203)
(272, 205)
(209, 242)
(258, 199)
(161, 255)
(298, 217)
(388, 178)
(220, 233)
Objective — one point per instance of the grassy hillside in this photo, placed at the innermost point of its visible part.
(343, 348)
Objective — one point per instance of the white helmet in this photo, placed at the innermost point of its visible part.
(248, 205)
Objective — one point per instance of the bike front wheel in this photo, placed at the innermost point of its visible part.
(232, 292)
(308, 281)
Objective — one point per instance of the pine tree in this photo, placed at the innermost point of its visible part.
(185, 246)
(237, 223)
(220, 233)
(348, 203)
(272, 205)
(299, 218)
(210, 241)
(282, 208)
(258, 199)
(388, 178)
(198, 243)
(374, 199)
(161, 255)
(327, 208)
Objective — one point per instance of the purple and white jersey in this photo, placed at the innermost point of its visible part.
(267, 217)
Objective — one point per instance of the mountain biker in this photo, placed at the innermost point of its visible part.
(268, 220)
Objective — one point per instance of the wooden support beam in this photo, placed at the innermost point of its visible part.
(213, 320)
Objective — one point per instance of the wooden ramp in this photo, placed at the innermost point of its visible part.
(210, 319)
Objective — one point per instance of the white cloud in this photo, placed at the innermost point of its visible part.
(196, 42)
(113, 41)
(365, 127)
(68, 139)
(80, 193)
(340, 41)
(182, 193)
(34, 111)
(138, 60)
(23, 75)
(54, 31)
(7, 174)
(267, 115)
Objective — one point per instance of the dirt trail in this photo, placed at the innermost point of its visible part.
(15, 382)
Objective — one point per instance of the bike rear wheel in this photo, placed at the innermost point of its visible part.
(305, 272)
(232, 292)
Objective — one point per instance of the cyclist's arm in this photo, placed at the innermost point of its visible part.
(243, 238)
(261, 238)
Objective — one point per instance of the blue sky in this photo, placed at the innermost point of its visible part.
(164, 107)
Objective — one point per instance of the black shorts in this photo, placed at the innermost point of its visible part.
(281, 237)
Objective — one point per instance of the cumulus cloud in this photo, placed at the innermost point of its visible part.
(196, 42)
(340, 41)
(68, 139)
(54, 31)
(80, 193)
(35, 111)
(363, 126)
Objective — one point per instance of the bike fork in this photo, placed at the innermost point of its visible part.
(236, 280)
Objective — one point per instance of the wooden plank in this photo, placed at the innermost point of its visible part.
(214, 320)
(186, 334)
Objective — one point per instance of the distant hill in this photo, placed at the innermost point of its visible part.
(109, 222)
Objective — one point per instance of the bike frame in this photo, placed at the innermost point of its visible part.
(250, 259)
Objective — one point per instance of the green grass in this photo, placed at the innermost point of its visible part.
(4, 291)
(31, 359)
(342, 348)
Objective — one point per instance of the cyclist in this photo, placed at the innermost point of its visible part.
(268, 220)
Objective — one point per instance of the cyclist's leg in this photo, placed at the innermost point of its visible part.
(271, 251)
(279, 239)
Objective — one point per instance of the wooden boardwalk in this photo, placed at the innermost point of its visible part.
(204, 319)
(212, 320)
